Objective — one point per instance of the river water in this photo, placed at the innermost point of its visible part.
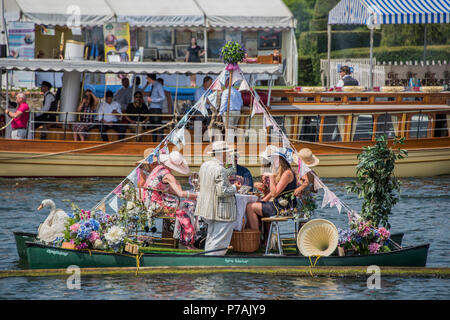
(422, 214)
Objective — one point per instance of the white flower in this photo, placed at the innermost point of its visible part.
(130, 205)
(283, 202)
(98, 244)
(115, 235)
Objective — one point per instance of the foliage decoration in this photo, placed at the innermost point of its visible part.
(232, 52)
(375, 181)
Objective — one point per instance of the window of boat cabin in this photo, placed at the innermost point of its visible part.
(418, 126)
(385, 125)
(309, 128)
(362, 128)
(441, 128)
(384, 99)
(331, 130)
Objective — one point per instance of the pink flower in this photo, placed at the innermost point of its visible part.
(74, 227)
(93, 236)
(384, 234)
(374, 247)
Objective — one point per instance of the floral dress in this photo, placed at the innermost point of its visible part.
(87, 119)
(184, 230)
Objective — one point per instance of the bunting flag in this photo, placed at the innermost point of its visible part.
(184, 120)
(328, 196)
(318, 184)
(133, 177)
(176, 137)
(237, 76)
(286, 142)
(222, 77)
(244, 86)
(336, 202)
(212, 98)
(114, 204)
(102, 207)
(257, 108)
(201, 106)
(118, 189)
(216, 85)
(304, 169)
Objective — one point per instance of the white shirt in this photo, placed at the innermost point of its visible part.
(105, 111)
(340, 83)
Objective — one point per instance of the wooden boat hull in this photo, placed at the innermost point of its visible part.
(22, 237)
(27, 159)
(47, 257)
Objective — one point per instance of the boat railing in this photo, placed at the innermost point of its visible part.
(330, 127)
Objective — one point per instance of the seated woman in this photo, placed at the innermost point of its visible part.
(88, 106)
(281, 182)
(306, 185)
(161, 178)
(264, 185)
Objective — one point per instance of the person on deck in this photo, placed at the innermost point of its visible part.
(168, 103)
(346, 78)
(162, 178)
(199, 92)
(20, 117)
(109, 117)
(236, 104)
(282, 182)
(306, 179)
(139, 108)
(193, 54)
(88, 107)
(264, 185)
(49, 104)
(216, 201)
(124, 94)
(155, 102)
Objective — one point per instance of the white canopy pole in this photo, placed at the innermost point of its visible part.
(329, 57)
(371, 58)
(205, 41)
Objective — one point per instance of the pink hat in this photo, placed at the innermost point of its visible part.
(175, 161)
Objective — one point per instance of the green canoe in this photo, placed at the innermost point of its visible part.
(22, 237)
(47, 257)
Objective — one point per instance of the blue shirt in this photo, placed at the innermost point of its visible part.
(236, 102)
(158, 96)
(199, 93)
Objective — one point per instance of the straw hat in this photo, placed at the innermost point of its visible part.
(308, 158)
(220, 146)
(147, 153)
(175, 161)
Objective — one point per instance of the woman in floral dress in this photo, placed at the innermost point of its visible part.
(161, 178)
(88, 107)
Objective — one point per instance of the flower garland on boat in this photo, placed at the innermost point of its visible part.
(363, 238)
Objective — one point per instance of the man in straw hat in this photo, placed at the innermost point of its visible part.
(216, 203)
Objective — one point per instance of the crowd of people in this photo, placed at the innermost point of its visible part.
(125, 110)
(214, 205)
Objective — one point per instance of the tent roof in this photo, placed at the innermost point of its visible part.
(64, 12)
(131, 67)
(248, 14)
(157, 13)
(376, 12)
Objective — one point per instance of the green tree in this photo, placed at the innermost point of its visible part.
(302, 11)
(375, 181)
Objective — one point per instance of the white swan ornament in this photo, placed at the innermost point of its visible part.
(54, 225)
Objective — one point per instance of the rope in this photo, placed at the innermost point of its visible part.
(6, 125)
(91, 147)
(311, 266)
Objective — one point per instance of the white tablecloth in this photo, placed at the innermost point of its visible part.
(241, 204)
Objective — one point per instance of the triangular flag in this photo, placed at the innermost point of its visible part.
(244, 86)
(237, 76)
(212, 98)
(118, 189)
(318, 184)
(222, 77)
(257, 108)
(304, 169)
(102, 207)
(183, 120)
(327, 197)
(176, 137)
(201, 106)
(216, 85)
(114, 204)
(286, 142)
(133, 177)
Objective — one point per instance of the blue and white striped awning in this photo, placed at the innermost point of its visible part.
(376, 12)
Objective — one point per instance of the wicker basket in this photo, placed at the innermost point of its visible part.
(246, 240)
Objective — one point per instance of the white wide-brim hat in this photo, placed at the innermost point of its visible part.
(220, 146)
(147, 153)
(175, 161)
(266, 154)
